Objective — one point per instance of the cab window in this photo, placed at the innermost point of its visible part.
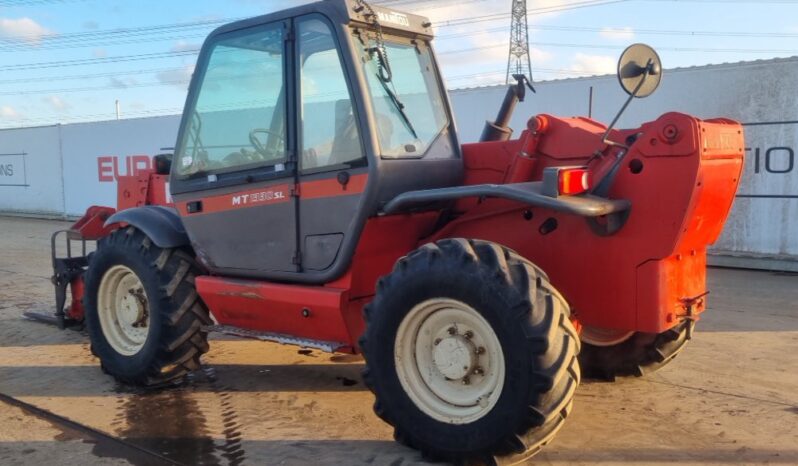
(238, 117)
(330, 134)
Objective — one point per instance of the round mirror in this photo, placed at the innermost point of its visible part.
(639, 70)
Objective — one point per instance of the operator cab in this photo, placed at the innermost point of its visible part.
(300, 125)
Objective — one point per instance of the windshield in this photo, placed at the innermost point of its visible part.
(409, 109)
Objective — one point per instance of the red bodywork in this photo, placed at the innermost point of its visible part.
(649, 275)
(145, 188)
(680, 176)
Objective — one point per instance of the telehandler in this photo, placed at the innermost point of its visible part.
(319, 196)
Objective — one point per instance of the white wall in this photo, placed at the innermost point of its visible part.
(763, 221)
(748, 92)
(30, 171)
(96, 153)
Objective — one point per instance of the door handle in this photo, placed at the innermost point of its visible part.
(194, 207)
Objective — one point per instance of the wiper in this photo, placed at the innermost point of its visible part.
(400, 107)
(385, 76)
(196, 174)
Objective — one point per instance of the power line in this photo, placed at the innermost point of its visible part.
(19, 3)
(117, 74)
(665, 32)
(99, 38)
(530, 12)
(97, 61)
(154, 33)
(126, 58)
(620, 47)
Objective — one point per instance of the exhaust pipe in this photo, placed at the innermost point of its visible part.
(500, 130)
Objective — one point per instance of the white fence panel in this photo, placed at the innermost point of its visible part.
(41, 175)
(30, 171)
(764, 221)
(95, 154)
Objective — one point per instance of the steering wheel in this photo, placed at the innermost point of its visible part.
(259, 146)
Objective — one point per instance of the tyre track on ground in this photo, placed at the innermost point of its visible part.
(114, 446)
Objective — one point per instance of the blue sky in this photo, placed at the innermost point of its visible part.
(147, 69)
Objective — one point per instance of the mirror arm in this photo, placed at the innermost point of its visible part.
(606, 138)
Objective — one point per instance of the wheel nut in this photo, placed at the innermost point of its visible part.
(479, 371)
(437, 341)
(480, 350)
(452, 330)
(469, 334)
(466, 380)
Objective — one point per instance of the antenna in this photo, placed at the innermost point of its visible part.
(519, 61)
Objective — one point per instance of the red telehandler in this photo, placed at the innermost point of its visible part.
(319, 196)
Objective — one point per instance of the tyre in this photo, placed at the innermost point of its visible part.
(470, 353)
(606, 355)
(142, 312)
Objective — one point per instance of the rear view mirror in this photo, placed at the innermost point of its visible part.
(639, 70)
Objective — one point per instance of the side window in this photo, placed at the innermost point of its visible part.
(330, 134)
(238, 118)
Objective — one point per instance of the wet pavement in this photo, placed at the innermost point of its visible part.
(730, 398)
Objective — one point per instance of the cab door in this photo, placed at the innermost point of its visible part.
(233, 177)
(333, 168)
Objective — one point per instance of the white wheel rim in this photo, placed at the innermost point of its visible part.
(604, 336)
(123, 308)
(449, 361)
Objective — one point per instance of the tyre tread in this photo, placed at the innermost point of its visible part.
(641, 354)
(183, 341)
(545, 316)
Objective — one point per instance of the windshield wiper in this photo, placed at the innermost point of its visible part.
(385, 76)
(196, 174)
(400, 107)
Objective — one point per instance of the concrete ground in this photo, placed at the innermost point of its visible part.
(730, 398)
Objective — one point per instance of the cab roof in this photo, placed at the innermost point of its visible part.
(345, 12)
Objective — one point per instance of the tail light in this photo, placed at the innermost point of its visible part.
(573, 181)
(566, 181)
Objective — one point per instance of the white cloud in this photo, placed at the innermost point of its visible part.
(539, 56)
(621, 34)
(177, 77)
(24, 29)
(117, 83)
(594, 64)
(9, 112)
(57, 103)
(183, 46)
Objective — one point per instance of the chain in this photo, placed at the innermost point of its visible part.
(382, 56)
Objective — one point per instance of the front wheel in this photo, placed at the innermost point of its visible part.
(142, 312)
(470, 353)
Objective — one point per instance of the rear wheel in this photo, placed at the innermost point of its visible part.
(143, 315)
(607, 354)
(470, 353)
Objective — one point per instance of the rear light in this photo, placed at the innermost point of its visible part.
(573, 181)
